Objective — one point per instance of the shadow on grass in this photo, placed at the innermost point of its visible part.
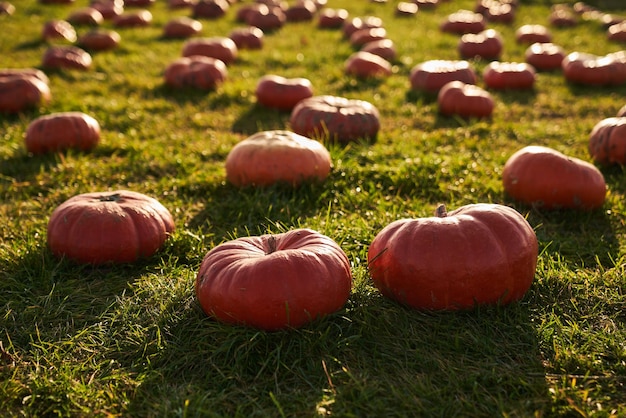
(373, 358)
(260, 118)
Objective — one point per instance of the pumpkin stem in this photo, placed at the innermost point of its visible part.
(271, 244)
(110, 198)
(440, 212)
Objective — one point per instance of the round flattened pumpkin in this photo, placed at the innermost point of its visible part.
(367, 65)
(111, 227)
(204, 73)
(61, 131)
(480, 254)
(21, 90)
(66, 57)
(99, 40)
(607, 141)
(181, 27)
(430, 76)
(545, 56)
(509, 75)
(274, 281)
(336, 118)
(282, 93)
(487, 44)
(329, 18)
(462, 22)
(277, 156)
(465, 100)
(594, 70)
(545, 178)
(220, 47)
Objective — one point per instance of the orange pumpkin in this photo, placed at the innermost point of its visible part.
(545, 178)
(277, 156)
(607, 141)
(21, 89)
(61, 131)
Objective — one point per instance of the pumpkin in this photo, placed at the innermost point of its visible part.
(509, 75)
(617, 32)
(406, 9)
(274, 281)
(22, 89)
(180, 4)
(465, 100)
(607, 141)
(384, 48)
(545, 178)
(621, 112)
(529, 34)
(181, 27)
(247, 38)
(430, 76)
(332, 18)
(204, 73)
(266, 18)
(462, 22)
(66, 57)
(545, 56)
(487, 44)
(479, 254)
(363, 36)
(277, 156)
(139, 18)
(282, 93)
(367, 65)
(336, 118)
(593, 70)
(358, 23)
(139, 3)
(219, 47)
(108, 8)
(109, 227)
(500, 13)
(61, 131)
(302, 11)
(210, 9)
(426, 4)
(86, 16)
(99, 40)
(6, 8)
(562, 17)
(56, 29)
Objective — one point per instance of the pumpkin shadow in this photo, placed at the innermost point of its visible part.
(260, 118)
(344, 361)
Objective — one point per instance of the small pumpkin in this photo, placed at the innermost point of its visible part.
(329, 18)
(465, 100)
(509, 75)
(136, 19)
(277, 156)
(430, 76)
(617, 32)
(266, 18)
(366, 35)
(61, 131)
(121, 226)
(21, 89)
(301, 11)
(364, 64)
(108, 8)
(531, 33)
(462, 22)
(274, 281)
(357, 23)
(487, 44)
(57, 29)
(197, 71)
(220, 47)
(545, 56)
(384, 48)
(247, 38)
(88, 16)
(66, 57)
(282, 93)
(406, 9)
(494, 252)
(210, 9)
(336, 118)
(99, 40)
(6, 8)
(546, 178)
(607, 141)
(500, 12)
(181, 27)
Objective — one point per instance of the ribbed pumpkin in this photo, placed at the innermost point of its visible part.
(61, 131)
(545, 178)
(479, 254)
(607, 141)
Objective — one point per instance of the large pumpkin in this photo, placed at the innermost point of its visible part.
(545, 178)
(480, 254)
(607, 141)
(282, 93)
(22, 89)
(336, 118)
(109, 227)
(594, 70)
(270, 157)
(274, 281)
(509, 75)
(61, 131)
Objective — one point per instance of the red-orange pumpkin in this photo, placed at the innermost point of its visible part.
(139, 18)
(99, 40)
(487, 44)
(282, 93)
(406, 9)
(210, 9)
(462, 22)
(61, 131)
(607, 141)
(384, 48)
(66, 57)
(6, 8)
(204, 73)
(509, 75)
(181, 27)
(529, 34)
(332, 18)
(219, 47)
(358, 23)
(493, 250)
(545, 178)
(110, 227)
(617, 32)
(247, 38)
(364, 36)
(274, 281)
(593, 70)
(301, 11)
(465, 100)
(21, 89)
(86, 16)
(54, 30)
(545, 56)
(108, 8)
(266, 18)
(431, 76)
(336, 118)
(277, 156)
(364, 64)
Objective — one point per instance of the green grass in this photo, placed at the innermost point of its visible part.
(131, 340)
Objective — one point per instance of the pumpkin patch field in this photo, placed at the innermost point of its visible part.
(345, 208)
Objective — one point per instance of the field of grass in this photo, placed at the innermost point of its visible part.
(131, 340)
